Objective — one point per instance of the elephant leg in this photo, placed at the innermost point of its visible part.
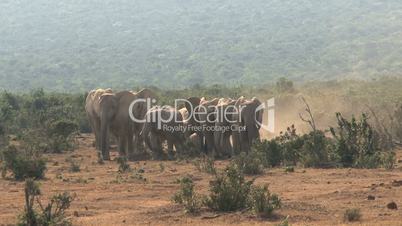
(179, 147)
(139, 144)
(244, 142)
(202, 145)
(235, 142)
(226, 144)
(130, 144)
(217, 141)
(105, 145)
(156, 145)
(210, 144)
(105, 152)
(122, 145)
(170, 152)
(96, 129)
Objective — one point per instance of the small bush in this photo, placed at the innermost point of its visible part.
(388, 160)
(262, 202)
(229, 191)
(291, 145)
(74, 165)
(187, 196)
(285, 222)
(314, 151)
(123, 164)
(289, 169)
(161, 167)
(51, 214)
(356, 142)
(270, 152)
(61, 135)
(138, 174)
(22, 164)
(205, 164)
(352, 215)
(249, 164)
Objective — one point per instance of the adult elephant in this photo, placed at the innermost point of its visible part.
(163, 123)
(190, 122)
(127, 126)
(249, 121)
(223, 126)
(106, 109)
(205, 115)
(93, 109)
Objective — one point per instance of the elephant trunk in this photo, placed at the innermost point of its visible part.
(105, 137)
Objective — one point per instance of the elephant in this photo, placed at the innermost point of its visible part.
(249, 121)
(94, 121)
(127, 129)
(205, 115)
(93, 110)
(163, 123)
(191, 120)
(223, 126)
(101, 107)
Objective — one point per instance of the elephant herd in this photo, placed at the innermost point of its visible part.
(219, 127)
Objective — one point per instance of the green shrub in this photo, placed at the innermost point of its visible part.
(61, 135)
(284, 222)
(289, 169)
(388, 160)
(352, 215)
(187, 196)
(161, 167)
(205, 164)
(48, 120)
(291, 145)
(262, 202)
(229, 191)
(270, 152)
(123, 164)
(284, 85)
(74, 165)
(23, 164)
(397, 123)
(314, 151)
(356, 143)
(249, 164)
(45, 215)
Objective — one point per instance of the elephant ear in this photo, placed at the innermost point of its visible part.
(192, 103)
(259, 112)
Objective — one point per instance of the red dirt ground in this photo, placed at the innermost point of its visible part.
(309, 196)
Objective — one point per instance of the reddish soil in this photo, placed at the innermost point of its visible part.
(309, 196)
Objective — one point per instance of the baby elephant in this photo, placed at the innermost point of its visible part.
(163, 123)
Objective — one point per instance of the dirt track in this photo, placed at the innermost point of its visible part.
(310, 196)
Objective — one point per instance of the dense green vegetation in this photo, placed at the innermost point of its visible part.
(79, 45)
(40, 122)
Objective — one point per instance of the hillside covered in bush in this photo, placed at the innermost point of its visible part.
(78, 45)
